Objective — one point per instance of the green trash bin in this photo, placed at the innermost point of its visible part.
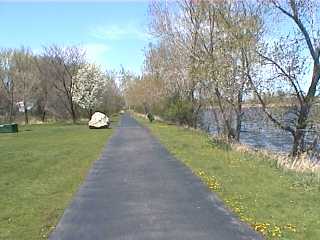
(9, 128)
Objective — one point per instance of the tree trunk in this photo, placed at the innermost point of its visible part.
(145, 107)
(298, 143)
(299, 137)
(11, 108)
(90, 113)
(191, 120)
(239, 110)
(72, 111)
(238, 127)
(44, 112)
(43, 116)
(26, 118)
(195, 115)
(216, 119)
(73, 115)
(228, 131)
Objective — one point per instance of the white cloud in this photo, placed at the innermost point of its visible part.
(117, 32)
(96, 52)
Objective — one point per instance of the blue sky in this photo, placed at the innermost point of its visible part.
(114, 33)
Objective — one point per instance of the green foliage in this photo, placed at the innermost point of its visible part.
(40, 170)
(179, 110)
(275, 203)
(150, 117)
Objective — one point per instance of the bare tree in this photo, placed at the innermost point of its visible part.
(42, 93)
(198, 60)
(65, 63)
(178, 44)
(7, 81)
(288, 58)
(225, 32)
(26, 78)
(112, 100)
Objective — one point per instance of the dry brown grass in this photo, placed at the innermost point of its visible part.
(301, 164)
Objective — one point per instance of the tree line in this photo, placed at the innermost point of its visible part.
(219, 55)
(58, 84)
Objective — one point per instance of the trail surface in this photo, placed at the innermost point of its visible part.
(138, 191)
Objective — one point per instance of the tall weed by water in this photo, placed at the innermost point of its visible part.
(301, 164)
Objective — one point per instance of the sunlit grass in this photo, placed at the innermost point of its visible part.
(41, 168)
(279, 204)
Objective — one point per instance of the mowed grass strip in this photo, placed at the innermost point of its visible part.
(41, 168)
(278, 204)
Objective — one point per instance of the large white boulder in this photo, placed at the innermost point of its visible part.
(99, 120)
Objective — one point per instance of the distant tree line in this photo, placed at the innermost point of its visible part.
(221, 54)
(57, 84)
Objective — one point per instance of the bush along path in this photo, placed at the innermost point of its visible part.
(138, 191)
(278, 204)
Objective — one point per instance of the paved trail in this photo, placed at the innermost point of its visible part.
(138, 191)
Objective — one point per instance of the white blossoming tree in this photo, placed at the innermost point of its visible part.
(89, 83)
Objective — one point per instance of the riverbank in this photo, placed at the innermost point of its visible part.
(302, 164)
(279, 204)
(41, 168)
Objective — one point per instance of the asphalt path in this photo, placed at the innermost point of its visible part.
(138, 191)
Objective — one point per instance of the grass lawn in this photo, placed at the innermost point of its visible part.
(40, 170)
(279, 204)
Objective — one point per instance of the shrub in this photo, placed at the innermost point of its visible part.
(150, 117)
(179, 111)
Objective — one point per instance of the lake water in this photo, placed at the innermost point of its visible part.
(257, 131)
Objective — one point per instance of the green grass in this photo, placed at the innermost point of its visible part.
(40, 170)
(279, 204)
